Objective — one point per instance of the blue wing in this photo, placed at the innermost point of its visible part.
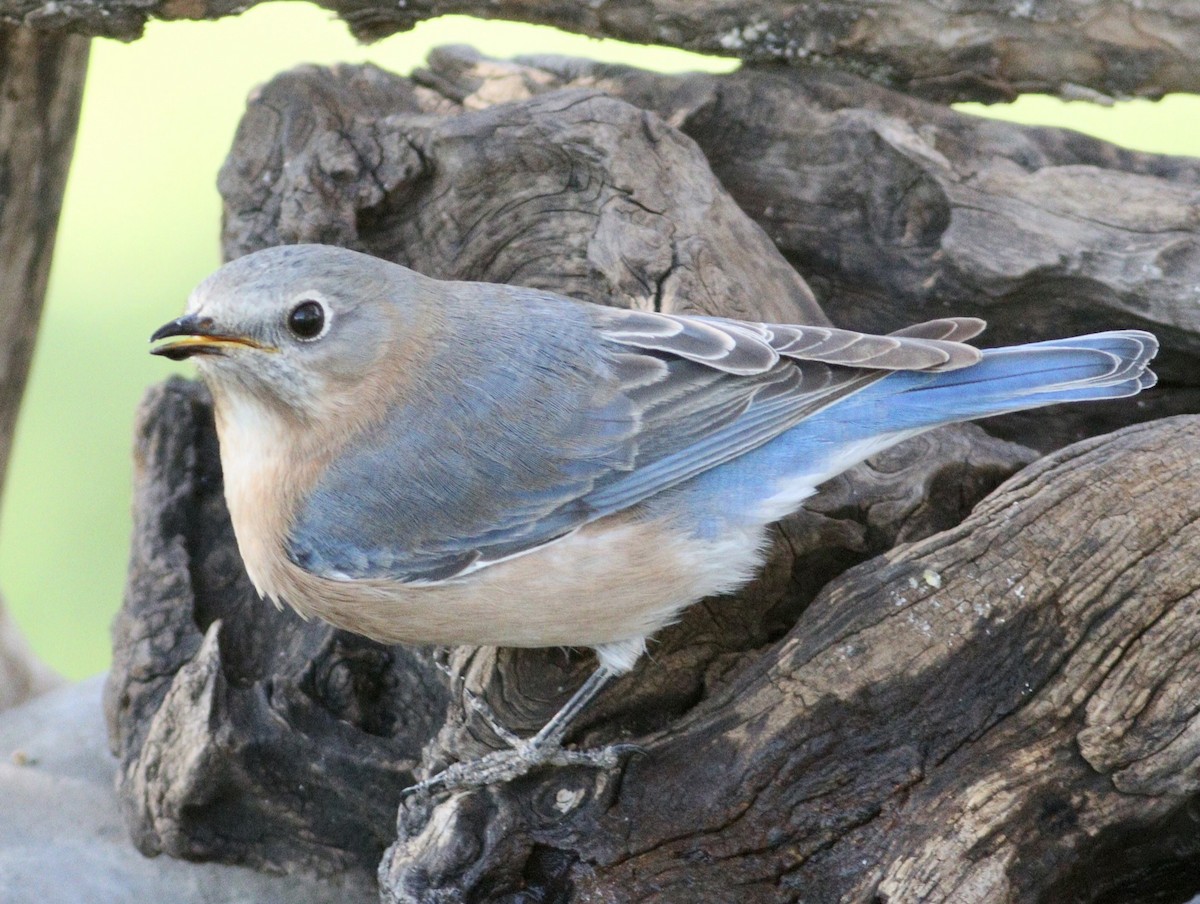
(561, 413)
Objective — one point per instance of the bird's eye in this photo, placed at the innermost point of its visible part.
(307, 320)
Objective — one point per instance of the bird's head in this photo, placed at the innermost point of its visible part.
(297, 325)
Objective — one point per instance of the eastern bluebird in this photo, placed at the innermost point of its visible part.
(439, 462)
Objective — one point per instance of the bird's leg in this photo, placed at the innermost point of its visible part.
(553, 732)
(543, 749)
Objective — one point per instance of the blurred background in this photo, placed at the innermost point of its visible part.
(140, 228)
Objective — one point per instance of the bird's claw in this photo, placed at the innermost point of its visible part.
(506, 765)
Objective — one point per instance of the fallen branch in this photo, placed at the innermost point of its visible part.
(944, 51)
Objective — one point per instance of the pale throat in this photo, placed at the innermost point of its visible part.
(266, 467)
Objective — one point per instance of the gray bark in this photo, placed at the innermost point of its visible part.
(41, 85)
(945, 51)
(575, 192)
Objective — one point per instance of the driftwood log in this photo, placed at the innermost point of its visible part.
(904, 706)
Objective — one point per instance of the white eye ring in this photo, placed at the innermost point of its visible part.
(308, 318)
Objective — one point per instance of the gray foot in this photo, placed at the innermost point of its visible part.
(505, 765)
(543, 749)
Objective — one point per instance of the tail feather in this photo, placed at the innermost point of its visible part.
(1100, 366)
(1133, 348)
(903, 404)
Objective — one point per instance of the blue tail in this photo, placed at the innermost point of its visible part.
(773, 479)
(1100, 366)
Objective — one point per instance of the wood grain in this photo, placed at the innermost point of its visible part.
(944, 51)
(41, 86)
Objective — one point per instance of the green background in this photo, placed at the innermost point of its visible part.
(140, 228)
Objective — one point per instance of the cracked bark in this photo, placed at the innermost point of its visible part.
(944, 51)
(924, 730)
(575, 192)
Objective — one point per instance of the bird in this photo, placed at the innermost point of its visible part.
(442, 462)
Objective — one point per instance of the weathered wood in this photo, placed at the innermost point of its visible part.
(245, 734)
(575, 192)
(898, 210)
(946, 51)
(1004, 711)
(41, 86)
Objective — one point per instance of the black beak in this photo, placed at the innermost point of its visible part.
(191, 335)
